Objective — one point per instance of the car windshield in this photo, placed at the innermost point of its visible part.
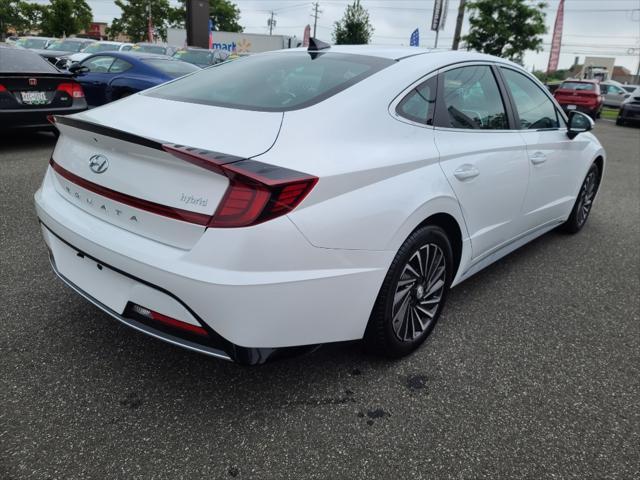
(273, 82)
(150, 49)
(578, 86)
(67, 46)
(200, 57)
(32, 42)
(101, 47)
(172, 68)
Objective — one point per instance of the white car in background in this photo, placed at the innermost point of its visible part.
(100, 47)
(297, 197)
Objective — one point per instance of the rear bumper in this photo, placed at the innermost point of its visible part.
(259, 289)
(32, 119)
(589, 109)
(176, 340)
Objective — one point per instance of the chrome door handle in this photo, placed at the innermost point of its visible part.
(466, 172)
(537, 158)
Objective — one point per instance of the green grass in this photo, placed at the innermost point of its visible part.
(610, 113)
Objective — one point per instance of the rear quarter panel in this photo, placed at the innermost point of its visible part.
(378, 177)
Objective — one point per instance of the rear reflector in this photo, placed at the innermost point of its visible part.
(257, 191)
(168, 321)
(74, 90)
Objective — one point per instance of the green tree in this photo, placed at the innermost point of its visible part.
(224, 13)
(505, 28)
(66, 17)
(354, 28)
(134, 21)
(31, 16)
(8, 16)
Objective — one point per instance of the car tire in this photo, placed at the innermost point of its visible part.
(619, 122)
(412, 295)
(582, 207)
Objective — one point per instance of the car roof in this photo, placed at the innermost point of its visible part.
(37, 36)
(390, 52)
(138, 55)
(195, 49)
(110, 42)
(76, 39)
(398, 53)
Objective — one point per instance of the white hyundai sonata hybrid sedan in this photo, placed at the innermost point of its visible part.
(298, 197)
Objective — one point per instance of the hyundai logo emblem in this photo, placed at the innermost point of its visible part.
(98, 163)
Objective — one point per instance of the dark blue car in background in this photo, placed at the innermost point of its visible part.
(109, 76)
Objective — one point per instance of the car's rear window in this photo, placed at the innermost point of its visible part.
(101, 47)
(578, 86)
(68, 46)
(32, 42)
(173, 68)
(273, 82)
(150, 49)
(24, 61)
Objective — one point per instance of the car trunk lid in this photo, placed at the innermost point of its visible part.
(111, 163)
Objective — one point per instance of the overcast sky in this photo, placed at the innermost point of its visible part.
(592, 27)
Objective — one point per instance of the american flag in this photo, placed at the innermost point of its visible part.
(414, 41)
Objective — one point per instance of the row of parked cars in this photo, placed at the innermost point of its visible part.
(591, 96)
(41, 76)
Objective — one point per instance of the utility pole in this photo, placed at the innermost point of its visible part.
(459, 20)
(149, 24)
(271, 22)
(316, 13)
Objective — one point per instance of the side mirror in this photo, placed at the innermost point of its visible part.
(78, 69)
(579, 123)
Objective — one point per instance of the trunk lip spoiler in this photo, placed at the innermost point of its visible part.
(107, 131)
(169, 147)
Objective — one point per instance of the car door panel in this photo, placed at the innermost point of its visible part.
(554, 159)
(490, 181)
(485, 163)
(94, 82)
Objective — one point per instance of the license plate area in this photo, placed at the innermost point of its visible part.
(34, 98)
(98, 281)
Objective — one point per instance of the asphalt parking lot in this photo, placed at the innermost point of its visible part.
(532, 372)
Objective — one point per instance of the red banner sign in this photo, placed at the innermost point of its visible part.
(556, 42)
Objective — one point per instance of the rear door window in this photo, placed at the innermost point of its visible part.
(273, 81)
(471, 100)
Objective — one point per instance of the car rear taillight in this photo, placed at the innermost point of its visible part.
(257, 191)
(3, 88)
(74, 90)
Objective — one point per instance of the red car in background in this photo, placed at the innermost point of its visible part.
(582, 95)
